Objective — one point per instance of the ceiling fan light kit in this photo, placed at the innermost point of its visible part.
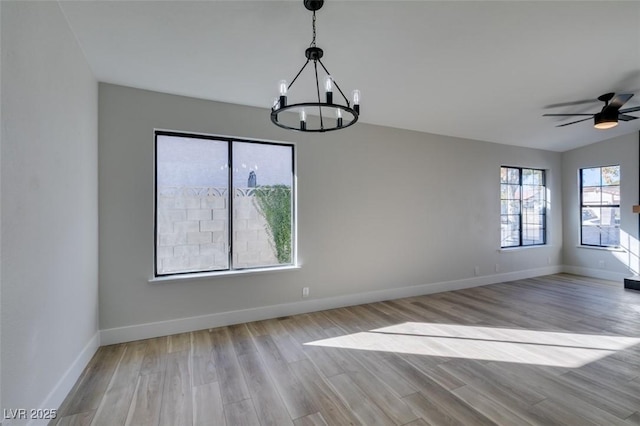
(602, 121)
(610, 114)
(331, 115)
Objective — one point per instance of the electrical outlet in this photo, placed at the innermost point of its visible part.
(601, 263)
(305, 291)
(476, 270)
(549, 260)
(497, 267)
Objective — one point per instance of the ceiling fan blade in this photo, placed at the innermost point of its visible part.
(619, 100)
(623, 111)
(573, 103)
(574, 122)
(564, 115)
(624, 117)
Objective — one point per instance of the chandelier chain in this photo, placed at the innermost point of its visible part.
(313, 42)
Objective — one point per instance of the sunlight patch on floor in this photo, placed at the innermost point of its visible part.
(556, 349)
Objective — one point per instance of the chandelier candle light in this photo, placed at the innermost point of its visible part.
(331, 116)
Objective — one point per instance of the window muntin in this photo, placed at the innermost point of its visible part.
(600, 206)
(522, 207)
(222, 204)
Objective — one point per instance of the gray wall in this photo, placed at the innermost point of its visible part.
(379, 209)
(49, 264)
(622, 150)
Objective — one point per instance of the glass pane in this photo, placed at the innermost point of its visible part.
(590, 216)
(532, 177)
(509, 192)
(514, 207)
(532, 234)
(591, 196)
(528, 194)
(611, 175)
(536, 203)
(536, 220)
(510, 230)
(192, 216)
(504, 207)
(503, 174)
(262, 204)
(610, 236)
(513, 176)
(610, 216)
(591, 235)
(610, 226)
(610, 195)
(509, 207)
(591, 177)
(538, 177)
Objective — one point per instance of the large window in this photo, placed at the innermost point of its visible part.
(222, 204)
(600, 206)
(522, 207)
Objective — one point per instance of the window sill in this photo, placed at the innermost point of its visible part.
(508, 249)
(616, 249)
(221, 274)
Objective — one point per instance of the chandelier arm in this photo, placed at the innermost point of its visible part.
(298, 75)
(315, 67)
(335, 83)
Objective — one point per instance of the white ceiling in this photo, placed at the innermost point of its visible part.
(479, 70)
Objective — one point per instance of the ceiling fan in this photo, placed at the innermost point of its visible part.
(609, 115)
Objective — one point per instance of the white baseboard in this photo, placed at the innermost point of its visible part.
(182, 325)
(69, 378)
(597, 273)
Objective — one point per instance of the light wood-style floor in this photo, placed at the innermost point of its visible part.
(559, 350)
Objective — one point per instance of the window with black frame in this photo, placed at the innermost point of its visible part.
(523, 207)
(222, 204)
(600, 206)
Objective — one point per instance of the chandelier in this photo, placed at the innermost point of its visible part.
(315, 116)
